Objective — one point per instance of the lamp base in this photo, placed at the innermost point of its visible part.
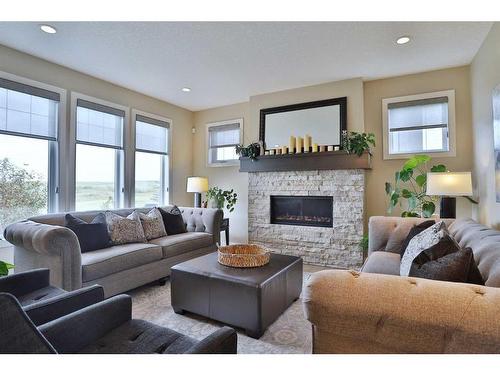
(448, 208)
(197, 200)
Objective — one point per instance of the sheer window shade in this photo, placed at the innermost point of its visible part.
(418, 114)
(27, 110)
(224, 135)
(98, 124)
(151, 135)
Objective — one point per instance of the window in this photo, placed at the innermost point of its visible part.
(28, 153)
(151, 160)
(99, 156)
(222, 138)
(419, 124)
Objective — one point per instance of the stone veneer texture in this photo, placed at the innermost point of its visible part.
(337, 246)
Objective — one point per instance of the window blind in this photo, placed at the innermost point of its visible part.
(224, 135)
(99, 124)
(28, 111)
(151, 135)
(418, 114)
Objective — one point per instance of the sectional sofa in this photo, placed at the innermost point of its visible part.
(44, 242)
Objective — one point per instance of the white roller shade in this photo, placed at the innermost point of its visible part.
(418, 114)
(151, 135)
(99, 125)
(28, 111)
(224, 135)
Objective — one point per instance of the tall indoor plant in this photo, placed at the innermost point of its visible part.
(409, 188)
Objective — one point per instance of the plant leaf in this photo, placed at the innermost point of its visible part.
(421, 179)
(415, 161)
(409, 214)
(428, 209)
(388, 188)
(438, 168)
(394, 199)
(405, 174)
(405, 193)
(412, 203)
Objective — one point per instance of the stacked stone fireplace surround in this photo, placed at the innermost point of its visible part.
(337, 246)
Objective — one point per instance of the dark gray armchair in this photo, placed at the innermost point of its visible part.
(106, 327)
(44, 302)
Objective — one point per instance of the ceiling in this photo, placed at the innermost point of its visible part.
(226, 63)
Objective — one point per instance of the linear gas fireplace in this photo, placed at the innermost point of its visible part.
(315, 211)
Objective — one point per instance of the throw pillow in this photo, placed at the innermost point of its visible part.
(152, 223)
(91, 236)
(416, 229)
(173, 221)
(420, 242)
(124, 230)
(458, 266)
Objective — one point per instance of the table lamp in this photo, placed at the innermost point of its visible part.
(449, 185)
(197, 185)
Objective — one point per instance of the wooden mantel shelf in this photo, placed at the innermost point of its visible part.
(306, 162)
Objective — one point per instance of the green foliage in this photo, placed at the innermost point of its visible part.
(409, 188)
(5, 267)
(363, 244)
(223, 198)
(358, 143)
(22, 193)
(251, 151)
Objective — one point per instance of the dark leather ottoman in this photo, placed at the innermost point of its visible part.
(249, 298)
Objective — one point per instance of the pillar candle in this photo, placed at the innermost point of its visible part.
(284, 150)
(321, 148)
(271, 151)
(291, 144)
(298, 145)
(307, 143)
(315, 147)
(330, 148)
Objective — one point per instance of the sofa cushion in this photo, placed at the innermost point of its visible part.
(100, 263)
(383, 262)
(141, 337)
(124, 230)
(177, 244)
(173, 220)
(39, 295)
(91, 236)
(152, 223)
(418, 228)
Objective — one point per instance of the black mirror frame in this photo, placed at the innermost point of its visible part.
(294, 107)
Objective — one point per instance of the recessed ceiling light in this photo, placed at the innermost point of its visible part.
(48, 29)
(403, 40)
(186, 89)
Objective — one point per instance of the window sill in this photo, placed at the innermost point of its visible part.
(438, 154)
(233, 163)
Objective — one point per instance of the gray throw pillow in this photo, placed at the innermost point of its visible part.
(124, 230)
(422, 241)
(152, 223)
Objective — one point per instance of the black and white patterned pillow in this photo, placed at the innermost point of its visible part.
(422, 241)
(124, 230)
(152, 223)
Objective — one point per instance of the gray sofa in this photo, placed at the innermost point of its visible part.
(44, 242)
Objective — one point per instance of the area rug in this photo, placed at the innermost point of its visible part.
(290, 334)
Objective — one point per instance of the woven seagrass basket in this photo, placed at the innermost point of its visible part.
(243, 256)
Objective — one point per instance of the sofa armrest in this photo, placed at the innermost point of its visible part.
(25, 282)
(207, 220)
(59, 245)
(222, 341)
(52, 308)
(71, 333)
(370, 313)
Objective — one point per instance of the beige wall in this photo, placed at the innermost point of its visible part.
(485, 75)
(224, 177)
(383, 170)
(18, 63)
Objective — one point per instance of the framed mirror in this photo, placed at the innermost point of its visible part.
(323, 120)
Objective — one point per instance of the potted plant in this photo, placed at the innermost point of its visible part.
(409, 188)
(222, 198)
(357, 143)
(5, 267)
(251, 151)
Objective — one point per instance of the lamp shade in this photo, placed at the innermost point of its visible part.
(452, 184)
(197, 184)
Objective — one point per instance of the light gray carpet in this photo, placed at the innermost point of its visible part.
(291, 333)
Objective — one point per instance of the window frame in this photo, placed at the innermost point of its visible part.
(57, 190)
(122, 171)
(229, 163)
(450, 94)
(132, 145)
